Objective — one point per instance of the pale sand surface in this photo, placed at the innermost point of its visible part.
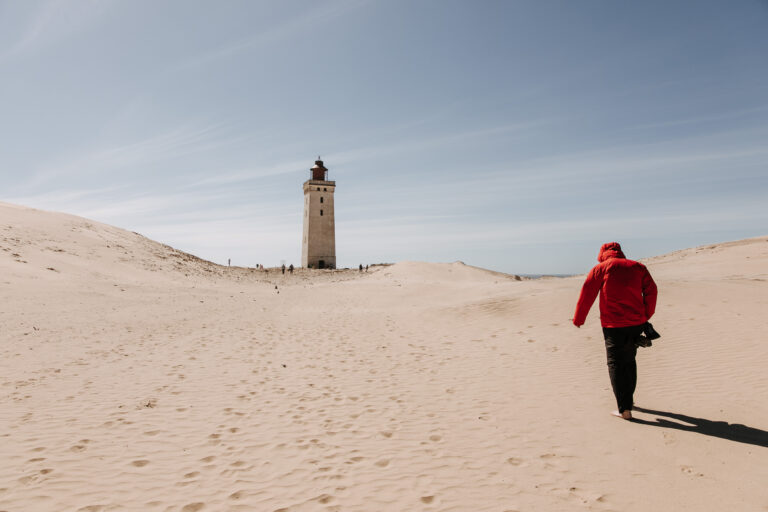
(135, 377)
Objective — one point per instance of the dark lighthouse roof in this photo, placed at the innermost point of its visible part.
(319, 172)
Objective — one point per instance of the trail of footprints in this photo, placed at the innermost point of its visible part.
(320, 426)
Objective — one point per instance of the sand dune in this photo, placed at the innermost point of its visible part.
(137, 377)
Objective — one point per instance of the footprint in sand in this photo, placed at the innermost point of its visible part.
(690, 471)
(427, 499)
(140, 463)
(25, 480)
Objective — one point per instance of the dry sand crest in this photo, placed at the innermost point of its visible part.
(137, 377)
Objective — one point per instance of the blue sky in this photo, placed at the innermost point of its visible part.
(512, 135)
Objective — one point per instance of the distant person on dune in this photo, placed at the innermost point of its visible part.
(627, 301)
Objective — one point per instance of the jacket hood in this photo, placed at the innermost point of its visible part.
(610, 250)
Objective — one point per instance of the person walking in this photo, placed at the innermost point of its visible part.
(290, 269)
(627, 301)
(283, 268)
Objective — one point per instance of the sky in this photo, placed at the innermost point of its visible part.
(512, 135)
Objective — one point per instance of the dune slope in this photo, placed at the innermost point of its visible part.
(136, 377)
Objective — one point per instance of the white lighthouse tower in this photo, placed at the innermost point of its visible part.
(318, 248)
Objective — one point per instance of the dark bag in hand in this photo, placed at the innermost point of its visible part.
(645, 337)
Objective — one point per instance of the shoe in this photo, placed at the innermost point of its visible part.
(643, 342)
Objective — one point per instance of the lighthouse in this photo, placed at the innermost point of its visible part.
(318, 248)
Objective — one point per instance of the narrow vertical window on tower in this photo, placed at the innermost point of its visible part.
(321, 213)
(321, 199)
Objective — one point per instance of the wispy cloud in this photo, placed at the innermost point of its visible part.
(566, 169)
(252, 173)
(53, 21)
(322, 13)
(363, 154)
(418, 233)
(435, 142)
(130, 207)
(176, 142)
(528, 183)
(733, 114)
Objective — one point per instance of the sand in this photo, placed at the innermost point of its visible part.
(137, 377)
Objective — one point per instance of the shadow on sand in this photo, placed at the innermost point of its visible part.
(722, 429)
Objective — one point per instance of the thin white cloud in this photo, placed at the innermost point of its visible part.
(433, 143)
(53, 21)
(364, 154)
(176, 142)
(322, 13)
(256, 172)
(129, 208)
(408, 233)
(552, 178)
(569, 169)
(701, 119)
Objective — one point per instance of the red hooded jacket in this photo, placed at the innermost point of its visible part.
(627, 291)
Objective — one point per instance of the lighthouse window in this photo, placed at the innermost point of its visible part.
(318, 189)
(321, 199)
(321, 213)
(325, 189)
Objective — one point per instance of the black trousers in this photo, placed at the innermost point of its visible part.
(621, 350)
